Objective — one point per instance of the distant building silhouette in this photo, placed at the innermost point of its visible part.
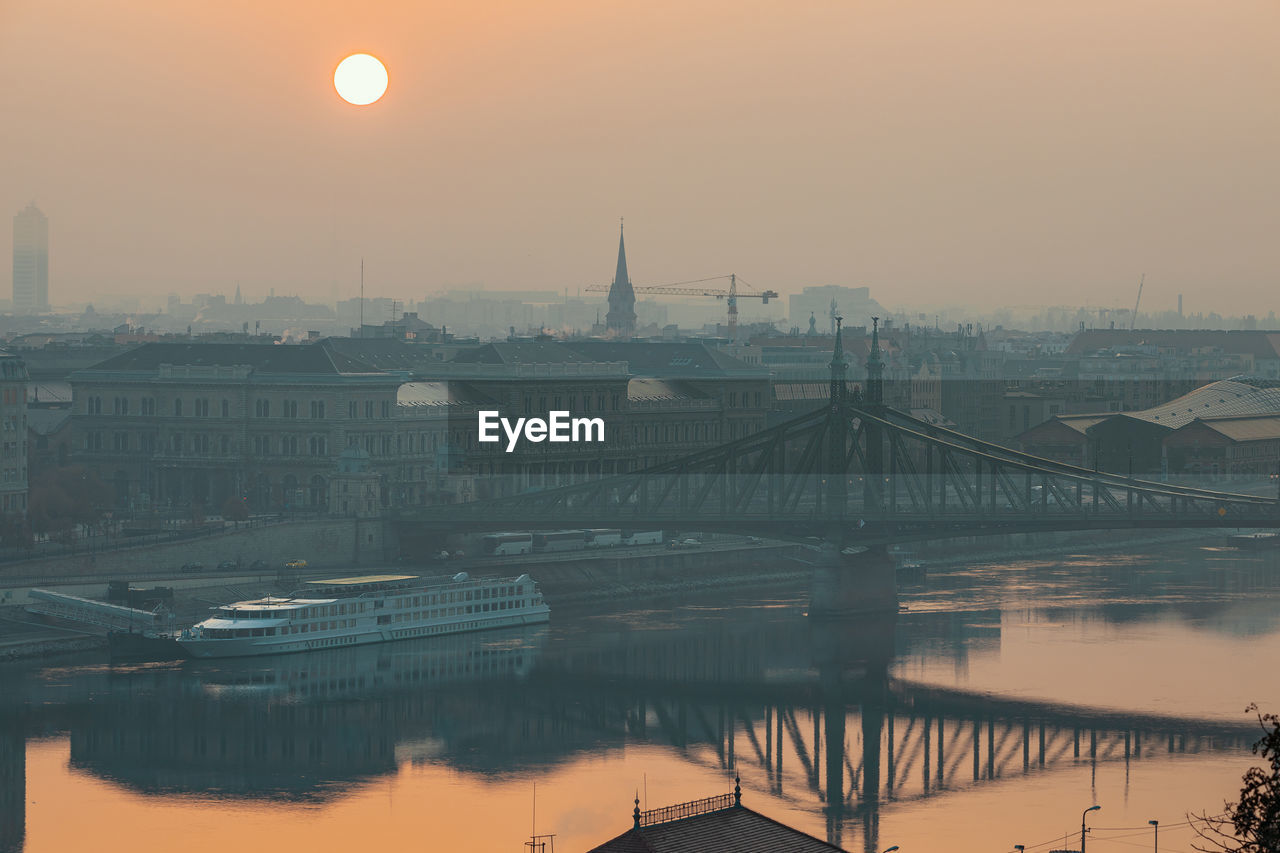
(30, 261)
(621, 319)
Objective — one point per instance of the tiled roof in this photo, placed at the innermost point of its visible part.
(1238, 396)
(661, 389)
(440, 395)
(384, 353)
(318, 358)
(1257, 428)
(789, 391)
(521, 352)
(663, 359)
(1080, 423)
(736, 829)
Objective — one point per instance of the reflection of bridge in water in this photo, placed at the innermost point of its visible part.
(804, 710)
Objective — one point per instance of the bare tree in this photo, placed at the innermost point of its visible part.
(1253, 824)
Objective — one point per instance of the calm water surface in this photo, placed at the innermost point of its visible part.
(1006, 700)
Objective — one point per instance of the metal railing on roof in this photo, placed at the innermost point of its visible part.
(680, 811)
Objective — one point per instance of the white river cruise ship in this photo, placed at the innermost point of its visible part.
(368, 609)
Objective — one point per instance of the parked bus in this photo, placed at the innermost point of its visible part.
(603, 538)
(503, 544)
(560, 540)
(642, 537)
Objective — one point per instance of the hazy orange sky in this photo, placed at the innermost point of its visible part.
(1007, 152)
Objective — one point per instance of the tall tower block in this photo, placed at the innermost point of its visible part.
(621, 319)
(30, 261)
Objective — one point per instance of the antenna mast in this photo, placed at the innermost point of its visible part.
(362, 297)
(1133, 321)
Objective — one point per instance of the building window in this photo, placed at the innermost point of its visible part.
(226, 408)
(175, 442)
(120, 441)
(177, 408)
(318, 445)
(120, 405)
(290, 408)
(386, 408)
(224, 445)
(317, 409)
(351, 409)
(262, 408)
(289, 445)
(201, 408)
(148, 405)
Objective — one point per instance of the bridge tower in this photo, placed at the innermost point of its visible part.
(837, 440)
(861, 582)
(874, 400)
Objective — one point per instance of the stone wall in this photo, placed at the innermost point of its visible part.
(322, 542)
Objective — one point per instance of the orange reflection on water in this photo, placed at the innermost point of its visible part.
(588, 800)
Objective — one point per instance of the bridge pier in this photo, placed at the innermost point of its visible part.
(846, 584)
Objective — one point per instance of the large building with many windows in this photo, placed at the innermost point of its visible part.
(183, 424)
(176, 424)
(13, 446)
(30, 261)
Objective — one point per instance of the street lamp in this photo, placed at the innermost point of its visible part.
(1082, 830)
(1156, 826)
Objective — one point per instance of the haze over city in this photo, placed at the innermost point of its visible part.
(999, 153)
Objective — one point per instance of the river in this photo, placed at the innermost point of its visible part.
(1006, 699)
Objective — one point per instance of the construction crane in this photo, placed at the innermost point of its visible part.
(1133, 321)
(682, 288)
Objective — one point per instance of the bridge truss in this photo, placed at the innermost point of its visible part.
(866, 474)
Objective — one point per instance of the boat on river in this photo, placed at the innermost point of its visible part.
(352, 611)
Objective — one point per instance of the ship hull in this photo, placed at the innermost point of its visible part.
(251, 646)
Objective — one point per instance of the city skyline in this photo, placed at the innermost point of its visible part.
(1005, 153)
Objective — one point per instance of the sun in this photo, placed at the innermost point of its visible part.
(360, 79)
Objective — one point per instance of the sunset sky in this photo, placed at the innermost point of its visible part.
(1003, 152)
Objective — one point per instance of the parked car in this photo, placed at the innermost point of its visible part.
(193, 567)
(228, 565)
(296, 564)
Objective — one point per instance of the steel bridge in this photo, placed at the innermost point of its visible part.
(859, 472)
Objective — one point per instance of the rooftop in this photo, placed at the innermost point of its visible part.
(719, 824)
(363, 579)
(314, 359)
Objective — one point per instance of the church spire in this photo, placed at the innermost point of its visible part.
(622, 299)
(875, 367)
(837, 368)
